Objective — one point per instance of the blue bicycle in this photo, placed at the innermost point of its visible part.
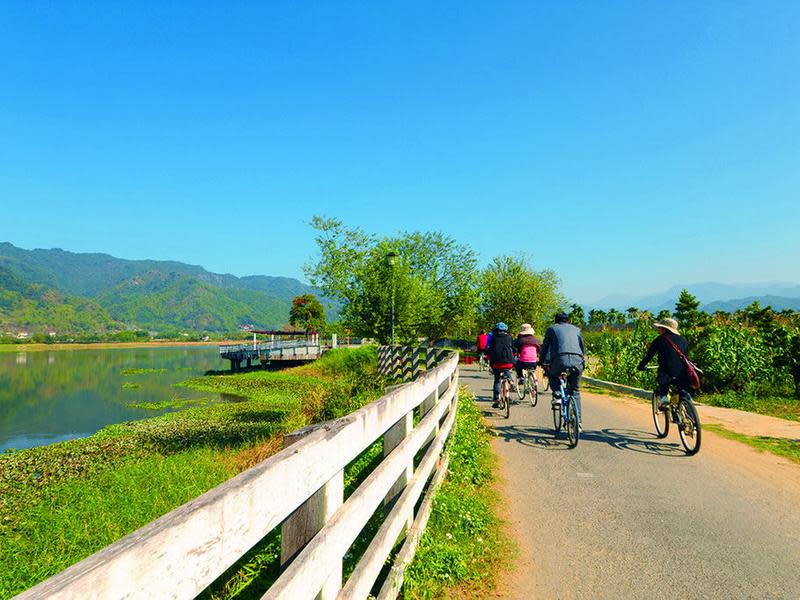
(565, 409)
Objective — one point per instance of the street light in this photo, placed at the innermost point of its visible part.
(391, 258)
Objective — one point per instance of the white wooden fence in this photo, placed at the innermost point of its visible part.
(302, 489)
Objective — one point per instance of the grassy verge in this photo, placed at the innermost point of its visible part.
(784, 408)
(61, 503)
(780, 446)
(458, 554)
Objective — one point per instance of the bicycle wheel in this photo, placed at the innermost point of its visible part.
(556, 417)
(571, 425)
(506, 392)
(521, 389)
(533, 392)
(660, 417)
(688, 426)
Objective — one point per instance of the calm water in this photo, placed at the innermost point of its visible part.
(48, 397)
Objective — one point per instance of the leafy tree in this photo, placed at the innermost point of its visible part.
(432, 283)
(576, 315)
(307, 312)
(615, 317)
(663, 314)
(633, 314)
(513, 292)
(597, 318)
(688, 313)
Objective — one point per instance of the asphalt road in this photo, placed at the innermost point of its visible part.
(625, 515)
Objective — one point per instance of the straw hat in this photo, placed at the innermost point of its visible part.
(669, 325)
(526, 329)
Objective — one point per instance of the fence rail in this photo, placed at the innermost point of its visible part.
(300, 489)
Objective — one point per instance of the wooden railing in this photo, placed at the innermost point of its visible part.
(405, 363)
(300, 489)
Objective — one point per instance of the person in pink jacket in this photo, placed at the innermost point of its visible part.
(526, 347)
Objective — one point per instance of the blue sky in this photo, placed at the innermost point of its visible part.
(629, 146)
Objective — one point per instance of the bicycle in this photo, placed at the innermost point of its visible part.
(529, 387)
(505, 392)
(483, 362)
(681, 411)
(565, 412)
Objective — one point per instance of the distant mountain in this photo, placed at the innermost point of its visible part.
(707, 293)
(777, 303)
(144, 294)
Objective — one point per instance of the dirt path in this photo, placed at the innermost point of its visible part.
(625, 515)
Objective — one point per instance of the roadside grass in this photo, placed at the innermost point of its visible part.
(784, 408)
(60, 503)
(780, 446)
(460, 552)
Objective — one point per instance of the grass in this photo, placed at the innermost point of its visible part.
(141, 371)
(60, 503)
(458, 553)
(784, 408)
(780, 446)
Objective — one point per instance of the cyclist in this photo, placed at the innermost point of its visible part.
(501, 357)
(526, 347)
(563, 350)
(671, 368)
(481, 342)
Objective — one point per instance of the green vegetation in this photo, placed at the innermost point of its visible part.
(513, 292)
(780, 446)
(96, 297)
(750, 359)
(459, 552)
(60, 503)
(308, 313)
(141, 371)
(130, 385)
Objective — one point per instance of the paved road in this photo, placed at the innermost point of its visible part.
(625, 515)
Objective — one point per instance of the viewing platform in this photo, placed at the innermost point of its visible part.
(298, 349)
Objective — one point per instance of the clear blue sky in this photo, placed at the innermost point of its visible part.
(629, 146)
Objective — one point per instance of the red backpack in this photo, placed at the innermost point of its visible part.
(692, 370)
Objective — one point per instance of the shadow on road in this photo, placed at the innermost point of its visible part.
(545, 438)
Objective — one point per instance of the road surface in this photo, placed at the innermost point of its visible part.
(625, 515)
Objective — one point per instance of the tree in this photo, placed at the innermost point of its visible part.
(633, 314)
(663, 314)
(307, 312)
(687, 311)
(615, 317)
(577, 315)
(597, 318)
(432, 282)
(513, 292)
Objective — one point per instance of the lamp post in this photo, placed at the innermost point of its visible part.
(391, 258)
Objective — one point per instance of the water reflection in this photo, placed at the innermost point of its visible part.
(46, 397)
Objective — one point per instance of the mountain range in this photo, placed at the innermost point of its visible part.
(713, 296)
(68, 292)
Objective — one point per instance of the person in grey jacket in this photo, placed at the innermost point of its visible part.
(563, 350)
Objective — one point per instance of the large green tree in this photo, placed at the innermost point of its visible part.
(431, 282)
(514, 292)
(688, 313)
(307, 312)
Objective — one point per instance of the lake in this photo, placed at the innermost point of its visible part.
(48, 397)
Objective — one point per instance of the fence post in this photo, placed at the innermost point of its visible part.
(308, 518)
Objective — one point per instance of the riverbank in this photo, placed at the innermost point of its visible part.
(61, 503)
(111, 345)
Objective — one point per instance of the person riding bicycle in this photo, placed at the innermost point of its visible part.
(501, 357)
(526, 347)
(563, 351)
(671, 368)
(481, 342)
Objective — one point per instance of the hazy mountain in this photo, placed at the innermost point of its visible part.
(101, 291)
(707, 293)
(777, 303)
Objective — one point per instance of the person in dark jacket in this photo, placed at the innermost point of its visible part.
(501, 356)
(671, 368)
(563, 350)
